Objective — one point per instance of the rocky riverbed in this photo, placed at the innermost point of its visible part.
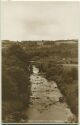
(47, 104)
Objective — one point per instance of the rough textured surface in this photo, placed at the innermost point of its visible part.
(44, 101)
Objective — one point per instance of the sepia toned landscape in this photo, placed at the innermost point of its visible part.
(40, 81)
(39, 43)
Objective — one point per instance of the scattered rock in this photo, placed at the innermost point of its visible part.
(47, 97)
(37, 98)
(61, 99)
(46, 106)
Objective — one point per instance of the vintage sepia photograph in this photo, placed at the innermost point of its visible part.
(40, 61)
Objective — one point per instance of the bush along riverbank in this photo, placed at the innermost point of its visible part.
(67, 81)
(15, 83)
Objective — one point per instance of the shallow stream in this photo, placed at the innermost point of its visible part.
(45, 105)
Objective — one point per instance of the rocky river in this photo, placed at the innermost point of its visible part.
(45, 104)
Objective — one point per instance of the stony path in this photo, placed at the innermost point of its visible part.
(44, 101)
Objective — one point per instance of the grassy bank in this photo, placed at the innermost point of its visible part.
(15, 83)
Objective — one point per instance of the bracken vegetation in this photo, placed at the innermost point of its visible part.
(15, 83)
(57, 61)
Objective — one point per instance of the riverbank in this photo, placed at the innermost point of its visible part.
(15, 84)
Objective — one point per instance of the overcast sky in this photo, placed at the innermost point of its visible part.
(40, 20)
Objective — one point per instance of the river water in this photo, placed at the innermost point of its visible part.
(44, 101)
